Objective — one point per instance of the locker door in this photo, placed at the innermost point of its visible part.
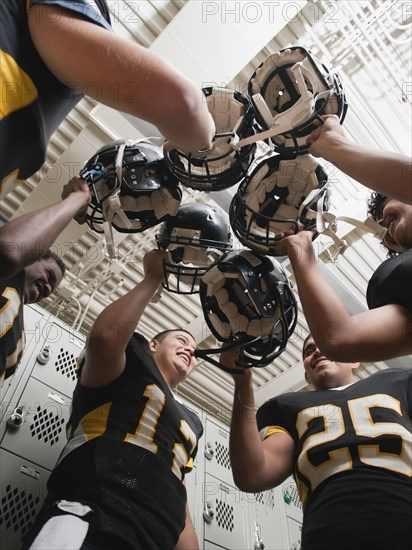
(23, 489)
(265, 517)
(55, 365)
(217, 459)
(223, 514)
(42, 435)
(294, 513)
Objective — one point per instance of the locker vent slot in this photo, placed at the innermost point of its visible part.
(222, 455)
(224, 515)
(46, 426)
(66, 364)
(18, 509)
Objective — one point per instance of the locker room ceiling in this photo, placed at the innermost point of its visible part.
(367, 42)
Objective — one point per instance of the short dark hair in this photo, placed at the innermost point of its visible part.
(375, 209)
(51, 256)
(161, 335)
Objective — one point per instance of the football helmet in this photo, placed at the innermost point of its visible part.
(221, 166)
(196, 237)
(278, 195)
(131, 187)
(289, 91)
(248, 301)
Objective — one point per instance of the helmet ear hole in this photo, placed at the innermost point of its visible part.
(247, 300)
(131, 186)
(195, 238)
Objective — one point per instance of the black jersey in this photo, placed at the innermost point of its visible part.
(391, 283)
(11, 324)
(130, 444)
(34, 101)
(352, 460)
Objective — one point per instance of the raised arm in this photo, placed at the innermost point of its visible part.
(126, 76)
(374, 335)
(24, 240)
(113, 328)
(256, 465)
(387, 173)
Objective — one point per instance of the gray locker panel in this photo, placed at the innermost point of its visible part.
(217, 459)
(23, 488)
(265, 517)
(295, 533)
(293, 505)
(33, 325)
(64, 346)
(223, 514)
(42, 435)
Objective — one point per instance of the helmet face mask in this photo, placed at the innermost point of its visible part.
(290, 90)
(195, 238)
(131, 186)
(247, 301)
(279, 195)
(222, 166)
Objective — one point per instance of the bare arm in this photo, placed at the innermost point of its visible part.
(385, 172)
(256, 465)
(188, 539)
(129, 77)
(374, 335)
(113, 328)
(24, 240)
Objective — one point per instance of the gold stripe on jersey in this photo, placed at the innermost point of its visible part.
(269, 430)
(17, 88)
(10, 310)
(92, 425)
(12, 359)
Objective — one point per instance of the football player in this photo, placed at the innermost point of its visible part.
(348, 445)
(42, 82)
(119, 482)
(29, 271)
(383, 332)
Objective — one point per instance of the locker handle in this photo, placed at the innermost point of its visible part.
(209, 450)
(208, 513)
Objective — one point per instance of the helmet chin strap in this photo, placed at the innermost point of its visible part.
(284, 122)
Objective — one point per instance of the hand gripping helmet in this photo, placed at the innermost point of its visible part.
(277, 196)
(247, 300)
(131, 187)
(196, 237)
(289, 91)
(222, 166)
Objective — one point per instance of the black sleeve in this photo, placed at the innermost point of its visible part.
(391, 283)
(96, 12)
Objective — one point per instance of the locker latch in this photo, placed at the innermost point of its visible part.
(208, 513)
(258, 538)
(44, 355)
(17, 418)
(209, 450)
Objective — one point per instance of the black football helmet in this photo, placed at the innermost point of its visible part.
(289, 91)
(131, 187)
(278, 195)
(222, 166)
(196, 237)
(247, 301)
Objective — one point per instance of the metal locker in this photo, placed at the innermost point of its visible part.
(223, 514)
(23, 489)
(34, 322)
(56, 361)
(217, 459)
(41, 433)
(293, 504)
(265, 521)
